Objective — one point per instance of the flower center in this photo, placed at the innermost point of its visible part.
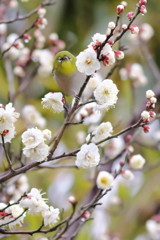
(88, 61)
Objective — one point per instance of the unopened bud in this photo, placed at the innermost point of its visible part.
(119, 55)
(152, 114)
(120, 9)
(134, 29)
(127, 174)
(72, 200)
(143, 9)
(124, 26)
(130, 15)
(146, 128)
(142, 2)
(153, 100)
(111, 25)
(86, 215)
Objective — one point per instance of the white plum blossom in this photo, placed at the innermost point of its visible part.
(107, 55)
(137, 161)
(8, 134)
(38, 153)
(53, 101)
(106, 94)
(33, 117)
(104, 180)
(87, 62)
(32, 138)
(50, 216)
(153, 228)
(103, 131)
(34, 201)
(88, 156)
(98, 39)
(47, 134)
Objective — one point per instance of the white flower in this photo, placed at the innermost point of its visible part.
(50, 216)
(15, 211)
(3, 29)
(150, 94)
(53, 101)
(104, 180)
(137, 161)
(8, 134)
(108, 55)
(34, 201)
(88, 156)
(7, 117)
(127, 174)
(145, 115)
(98, 39)
(38, 153)
(111, 25)
(87, 62)
(106, 93)
(103, 131)
(33, 117)
(32, 138)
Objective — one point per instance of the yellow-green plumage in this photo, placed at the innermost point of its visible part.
(66, 74)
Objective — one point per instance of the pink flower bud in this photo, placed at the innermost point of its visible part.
(86, 215)
(119, 55)
(146, 128)
(72, 200)
(121, 163)
(143, 9)
(142, 2)
(152, 114)
(128, 138)
(120, 9)
(130, 15)
(134, 29)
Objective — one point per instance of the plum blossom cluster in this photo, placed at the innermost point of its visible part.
(8, 117)
(148, 115)
(32, 203)
(35, 203)
(34, 141)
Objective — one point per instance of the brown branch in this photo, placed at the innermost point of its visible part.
(31, 13)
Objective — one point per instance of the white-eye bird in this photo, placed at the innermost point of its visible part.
(66, 74)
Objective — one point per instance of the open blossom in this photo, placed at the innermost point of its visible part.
(150, 94)
(34, 201)
(103, 131)
(106, 93)
(50, 216)
(8, 134)
(38, 153)
(104, 180)
(137, 161)
(32, 138)
(145, 115)
(87, 62)
(88, 156)
(53, 101)
(107, 55)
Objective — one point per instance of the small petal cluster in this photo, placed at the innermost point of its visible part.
(103, 131)
(54, 102)
(35, 203)
(89, 114)
(107, 55)
(12, 215)
(8, 117)
(50, 216)
(106, 94)
(104, 180)
(135, 73)
(32, 117)
(137, 161)
(35, 147)
(88, 156)
(87, 62)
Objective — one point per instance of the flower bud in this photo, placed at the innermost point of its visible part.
(145, 115)
(72, 200)
(134, 29)
(130, 15)
(111, 25)
(86, 215)
(146, 129)
(119, 55)
(142, 2)
(120, 9)
(124, 26)
(127, 174)
(153, 100)
(149, 94)
(143, 9)
(124, 3)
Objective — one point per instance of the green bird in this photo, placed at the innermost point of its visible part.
(66, 74)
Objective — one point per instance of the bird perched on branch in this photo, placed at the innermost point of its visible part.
(66, 74)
